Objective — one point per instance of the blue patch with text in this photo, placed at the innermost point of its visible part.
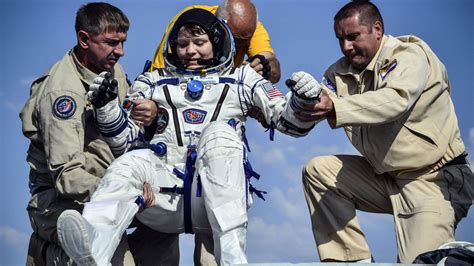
(194, 116)
(64, 107)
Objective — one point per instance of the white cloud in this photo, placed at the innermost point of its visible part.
(279, 242)
(13, 101)
(267, 153)
(280, 229)
(292, 172)
(12, 238)
(287, 236)
(290, 204)
(276, 156)
(301, 151)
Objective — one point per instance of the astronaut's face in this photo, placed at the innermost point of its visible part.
(192, 46)
(359, 43)
(102, 51)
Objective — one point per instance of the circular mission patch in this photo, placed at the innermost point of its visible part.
(64, 107)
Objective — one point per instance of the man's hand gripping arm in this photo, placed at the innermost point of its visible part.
(310, 102)
(305, 93)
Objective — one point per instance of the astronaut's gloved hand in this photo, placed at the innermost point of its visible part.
(303, 85)
(306, 91)
(103, 90)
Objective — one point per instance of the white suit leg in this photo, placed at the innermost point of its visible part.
(91, 239)
(220, 165)
(93, 242)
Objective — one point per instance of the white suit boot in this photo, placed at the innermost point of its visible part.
(76, 236)
(93, 241)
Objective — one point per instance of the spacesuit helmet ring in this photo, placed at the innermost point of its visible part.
(219, 35)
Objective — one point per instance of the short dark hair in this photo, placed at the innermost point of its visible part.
(194, 29)
(96, 18)
(368, 13)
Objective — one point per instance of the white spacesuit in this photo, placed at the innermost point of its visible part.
(195, 159)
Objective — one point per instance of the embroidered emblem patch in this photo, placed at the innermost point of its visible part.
(386, 69)
(194, 116)
(162, 119)
(270, 90)
(328, 83)
(64, 107)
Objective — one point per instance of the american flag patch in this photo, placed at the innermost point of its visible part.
(270, 90)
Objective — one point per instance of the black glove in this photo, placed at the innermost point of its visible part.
(103, 90)
(264, 62)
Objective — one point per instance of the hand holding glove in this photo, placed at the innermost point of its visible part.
(304, 86)
(306, 91)
(103, 90)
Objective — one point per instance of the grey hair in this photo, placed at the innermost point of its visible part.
(99, 17)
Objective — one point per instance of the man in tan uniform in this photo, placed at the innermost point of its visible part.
(392, 96)
(68, 154)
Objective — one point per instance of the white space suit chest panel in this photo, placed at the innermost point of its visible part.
(196, 114)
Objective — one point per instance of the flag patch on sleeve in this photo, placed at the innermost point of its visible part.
(270, 90)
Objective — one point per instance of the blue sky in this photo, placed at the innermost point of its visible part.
(35, 34)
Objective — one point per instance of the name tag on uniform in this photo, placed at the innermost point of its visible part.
(208, 79)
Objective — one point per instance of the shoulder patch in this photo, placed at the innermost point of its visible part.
(328, 83)
(387, 68)
(194, 116)
(64, 107)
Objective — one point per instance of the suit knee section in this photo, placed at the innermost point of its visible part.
(219, 140)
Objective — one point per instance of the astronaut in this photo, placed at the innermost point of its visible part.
(194, 159)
